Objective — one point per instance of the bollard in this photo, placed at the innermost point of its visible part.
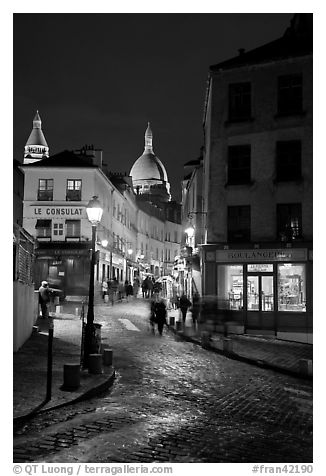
(57, 309)
(107, 356)
(205, 339)
(227, 345)
(106, 298)
(178, 325)
(171, 321)
(305, 367)
(71, 376)
(95, 364)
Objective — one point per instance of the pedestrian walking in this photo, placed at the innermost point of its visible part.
(184, 305)
(150, 287)
(136, 286)
(195, 309)
(104, 289)
(144, 287)
(158, 315)
(44, 298)
(129, 290)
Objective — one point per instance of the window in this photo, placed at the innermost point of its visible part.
(43, 228)
(239, 164)
(73, 192)
(291, 287)
(72, 228)
(289, 221)
(230, 286)
(175, 236)
(288, 160)
(239, 101)
(45, 189)
(239, 223)
(290, 94)
(58, 229)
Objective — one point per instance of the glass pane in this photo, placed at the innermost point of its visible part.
(230, 287)
(292, 287)
(260, 268)
(252, 293)
(267, 293)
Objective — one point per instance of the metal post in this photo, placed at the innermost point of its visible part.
(89, 329)
(49, 369)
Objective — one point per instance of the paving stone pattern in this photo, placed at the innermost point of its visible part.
(173, 401)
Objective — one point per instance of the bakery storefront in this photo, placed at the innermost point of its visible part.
(262, 291)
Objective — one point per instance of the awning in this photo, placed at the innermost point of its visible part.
(43, 224)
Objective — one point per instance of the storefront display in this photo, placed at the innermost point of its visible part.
(291, 287)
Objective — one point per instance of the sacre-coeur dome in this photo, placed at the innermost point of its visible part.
(148, 166)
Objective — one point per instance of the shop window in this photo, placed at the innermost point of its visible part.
(239, 223)
(45, 189)
(58, 229)
(230, 287)
(72, 228)
(288, 160)
(73, 192)
(239, 101)
(292, 287)
(290, 94)
(289, 221)
(239, 164)
(43, 228)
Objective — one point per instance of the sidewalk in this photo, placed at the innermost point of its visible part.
(265, 351)
(30, 367)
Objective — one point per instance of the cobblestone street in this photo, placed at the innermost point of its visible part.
(174, 401)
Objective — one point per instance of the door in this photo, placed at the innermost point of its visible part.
(260, 301)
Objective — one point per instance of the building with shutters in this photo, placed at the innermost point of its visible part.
(257, 184)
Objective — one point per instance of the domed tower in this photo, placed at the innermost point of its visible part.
(36, 147)
(148, 174)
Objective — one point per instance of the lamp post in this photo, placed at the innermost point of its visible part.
(94, 214)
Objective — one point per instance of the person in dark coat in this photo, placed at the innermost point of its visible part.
(44, 298)
(160, 315)
(184, 305)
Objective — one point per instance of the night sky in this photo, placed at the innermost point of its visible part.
(99, 78)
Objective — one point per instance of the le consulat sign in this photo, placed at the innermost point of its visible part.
(58, 211)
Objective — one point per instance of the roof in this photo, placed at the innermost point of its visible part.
(37, 138)
(296, 41)
(148, 166)
(192, 162)
(66, 158)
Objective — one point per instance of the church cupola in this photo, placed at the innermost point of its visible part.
(149, 139)
(36, 147)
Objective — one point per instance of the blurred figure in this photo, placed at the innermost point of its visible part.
(136, 286)
(158, 315)
(150, 286)
(45, 294)
(104, 288)
(144, 287)
(195, 310)
(184, 305)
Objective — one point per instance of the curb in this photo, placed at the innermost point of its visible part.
(240, 358)
(91, 392)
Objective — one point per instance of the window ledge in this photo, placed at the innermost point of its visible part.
(231, 122)
(281, 115)
(298, 180)
(245, 184)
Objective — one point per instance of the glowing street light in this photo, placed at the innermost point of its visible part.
(94, 214)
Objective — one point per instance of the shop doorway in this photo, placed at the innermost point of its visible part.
(260, 301)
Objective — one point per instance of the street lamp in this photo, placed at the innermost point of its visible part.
(190, 231)
(94, 214)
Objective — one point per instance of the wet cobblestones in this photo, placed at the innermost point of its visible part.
(173, 401)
